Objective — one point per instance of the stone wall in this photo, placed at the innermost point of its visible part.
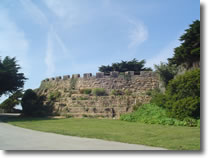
(70, 101)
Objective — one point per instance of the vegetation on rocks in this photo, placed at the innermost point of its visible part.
(153, 114)
(99, 92)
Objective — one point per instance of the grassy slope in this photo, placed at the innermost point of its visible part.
(170, 137)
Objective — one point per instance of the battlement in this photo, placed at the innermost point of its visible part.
(130, 86)
(113, 74)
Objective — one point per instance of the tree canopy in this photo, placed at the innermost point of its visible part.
(13, 100)
(133, 65)
(189, 50)
(11, 80)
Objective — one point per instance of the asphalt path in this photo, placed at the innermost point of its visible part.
(16, 138)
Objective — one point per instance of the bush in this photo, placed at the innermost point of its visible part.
(99, 92)
(116, 92)
(136, 106)
(158, 97)
(182, 108)
(152, 114)
(147, 113)
(85, 91)
(31, 103)
(183, 95)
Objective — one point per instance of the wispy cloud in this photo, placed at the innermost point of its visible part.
(69, 12)
(55, 51)
(49, 59)
(138, 34)
(59, 8)
(37, 15)
(55, 45)
(13, 42)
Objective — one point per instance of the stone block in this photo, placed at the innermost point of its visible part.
(99, 74)
(76, 76)
(147, 73)
(129, 73)
(58, 78)
(50, 79)
(66, 77)
(114, 74)
(87, 75)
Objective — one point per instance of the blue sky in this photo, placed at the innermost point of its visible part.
(59, 37)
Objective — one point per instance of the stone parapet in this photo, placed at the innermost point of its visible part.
(76, 76)
(87, 75)
(113, 74)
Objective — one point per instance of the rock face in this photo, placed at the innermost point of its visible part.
(74, 97)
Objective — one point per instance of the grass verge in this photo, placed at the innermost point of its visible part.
(170, 137)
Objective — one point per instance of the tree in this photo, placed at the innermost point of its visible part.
(13, 100)
(166, 72)
(11, 80)
(133, 65)
(188, 52)
(30, 104)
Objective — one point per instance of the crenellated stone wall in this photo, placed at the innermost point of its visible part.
(71, 101)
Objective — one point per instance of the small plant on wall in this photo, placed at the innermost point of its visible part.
(85, 91)
(73, 82)
(99, 92)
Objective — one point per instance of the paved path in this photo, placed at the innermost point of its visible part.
(16, 138)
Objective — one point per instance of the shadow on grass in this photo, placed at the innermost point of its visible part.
(24, 118)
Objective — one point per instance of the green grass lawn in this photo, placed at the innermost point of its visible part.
(170, 137)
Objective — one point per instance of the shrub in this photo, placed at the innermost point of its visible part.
(146, 113)
(99, 92)
(116, 92)
(85, 91)
(31, 104)
(152, 114)
(183, 95)
(158, 97)
(182, 108)
(136, 106)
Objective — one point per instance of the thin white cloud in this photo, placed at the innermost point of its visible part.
(163, 55)
(55, 45)
(49, 59)
(37, 15)
(13, 42)
(61, 43)
(59, 8)
(55, 51)
(68, 12)
(138, 34)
